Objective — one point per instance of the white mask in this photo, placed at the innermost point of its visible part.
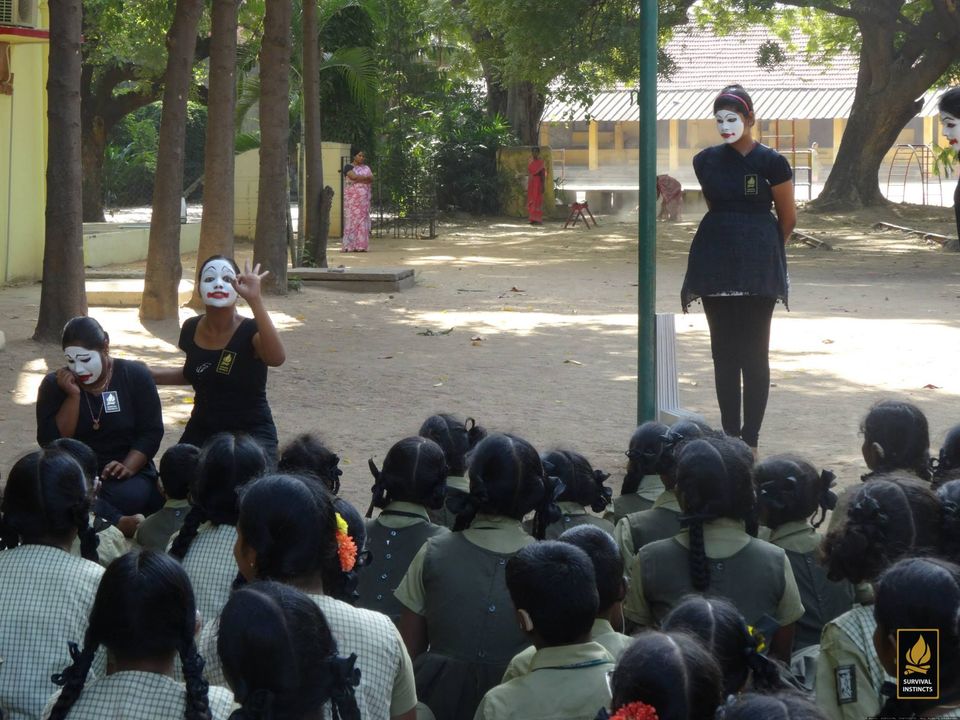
(215, 287)
(86, 365)
(730, 126)
(951, 129)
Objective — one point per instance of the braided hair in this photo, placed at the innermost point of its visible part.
(47, 498)
(582, 484)
(280, 658)
(144, 610)
(414, 470)
(900, 432)
(455, 436)
(645, 455)
(789, 489)
(306, 453)
(888, 518)
(227, 462)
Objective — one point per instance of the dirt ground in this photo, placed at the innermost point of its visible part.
(542, 341)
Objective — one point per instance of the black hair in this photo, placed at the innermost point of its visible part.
(714, 480)
(414, 470)
(947, 465)
(949, 494)
(280, 658)
(178, 468)
(672, 672)
(227, 462)
(950, 102)
(47, 496)
(84, 332)
(581, 483)
(144, 609)
(507, 478)
(645, 455)
(555, 583)
(901, 430)
(201, 266)
(888, 518)
(724, 632)
(455, 436)
(735, 98)
(307, 453)
(290, 521)
(343, 584)
(607, 560)
(922, 593)
(783, 705)
(789, 489)
(82, 453)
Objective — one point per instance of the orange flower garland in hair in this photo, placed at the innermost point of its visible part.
(636, 711)
(346, 547)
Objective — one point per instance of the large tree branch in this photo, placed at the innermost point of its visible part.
(826, 6)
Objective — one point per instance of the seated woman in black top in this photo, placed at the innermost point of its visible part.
(227, 358)
(112, 406)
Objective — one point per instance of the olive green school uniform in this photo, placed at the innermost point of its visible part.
(568, 682)
(443, 516)
(823, 599)
(457, 583)
(650, 488)
(637, 529)
(601, 633)
(393, 538)
(155, 532)
(573, 514)
(752, 574)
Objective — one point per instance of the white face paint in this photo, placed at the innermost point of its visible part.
(87, 365)
(951, 129)
(215, 287)
(730, 125)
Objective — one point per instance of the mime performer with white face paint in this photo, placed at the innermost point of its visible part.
(112, 406)
(949, 107)
(227, 356)
(738, 265)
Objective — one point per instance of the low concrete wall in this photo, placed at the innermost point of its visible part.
(109, 244)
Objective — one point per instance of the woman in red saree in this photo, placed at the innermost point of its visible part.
(357, 183)
(536, 182)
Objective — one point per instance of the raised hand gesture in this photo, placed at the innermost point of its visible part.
(247, 283)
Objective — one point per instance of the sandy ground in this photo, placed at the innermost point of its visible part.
(543, 341)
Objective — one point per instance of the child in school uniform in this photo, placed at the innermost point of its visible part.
(661, 520)
(641, 486)
(790, 492)
(611, 587)
(278, 652)
(288, 531)
(947, 464)
(457, 438)
(567, 679)
(583, 487)
(664, 676)
(145, 616)
(306, 453)
(412, 481)
(45, 591)
(178, 467)
(888, 518)
(457, 620)
(715, 489)
(205, 542)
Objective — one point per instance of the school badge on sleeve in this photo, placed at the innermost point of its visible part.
(846, 685)
(918, 664)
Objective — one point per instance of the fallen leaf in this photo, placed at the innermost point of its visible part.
(387, 357)
(476, 338)
(828, 341)
(437, 384)
(931, 386)
(516, 289)
(572, 362)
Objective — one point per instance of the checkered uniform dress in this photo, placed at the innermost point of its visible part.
(211, 567)
(46, 595)
(139, 696)
(385, 667)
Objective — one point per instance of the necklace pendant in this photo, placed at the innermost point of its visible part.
(96, 425)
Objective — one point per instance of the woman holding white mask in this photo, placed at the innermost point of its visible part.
(737, 264)
(227, 356)
(949, 107)
(112, 406)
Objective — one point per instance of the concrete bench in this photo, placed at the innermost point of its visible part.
(358, 279)
(127, 292)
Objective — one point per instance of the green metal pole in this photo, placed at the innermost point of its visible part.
(647, 229)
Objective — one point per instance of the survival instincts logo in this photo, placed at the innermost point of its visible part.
(918, 664)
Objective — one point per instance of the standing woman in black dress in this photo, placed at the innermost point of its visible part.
(738, 265)
(949, 107)
(227, 358)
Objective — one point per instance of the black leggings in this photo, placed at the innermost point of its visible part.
(740, 343)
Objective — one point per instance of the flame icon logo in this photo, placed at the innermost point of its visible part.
(918, 658)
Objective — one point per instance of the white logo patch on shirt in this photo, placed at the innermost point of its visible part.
(846, 685)
(111, 401)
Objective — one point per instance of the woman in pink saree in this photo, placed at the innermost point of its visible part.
(358, 181)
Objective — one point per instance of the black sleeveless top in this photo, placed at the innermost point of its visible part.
(230, 386)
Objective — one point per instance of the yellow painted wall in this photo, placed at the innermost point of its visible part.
(109, 243)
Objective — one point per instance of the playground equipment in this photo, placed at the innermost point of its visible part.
(801, 159)
(913, 161)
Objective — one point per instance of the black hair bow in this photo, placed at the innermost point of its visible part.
(606, 494)
(777, 494)
(69, 673)
(828, 498)
(868, 512)
(344, 672)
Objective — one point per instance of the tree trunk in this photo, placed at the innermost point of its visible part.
(270, 240)
(315, 248)
(216, 226)
(525, 105)
(63, 294)
(160, 299)
(93, 145)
